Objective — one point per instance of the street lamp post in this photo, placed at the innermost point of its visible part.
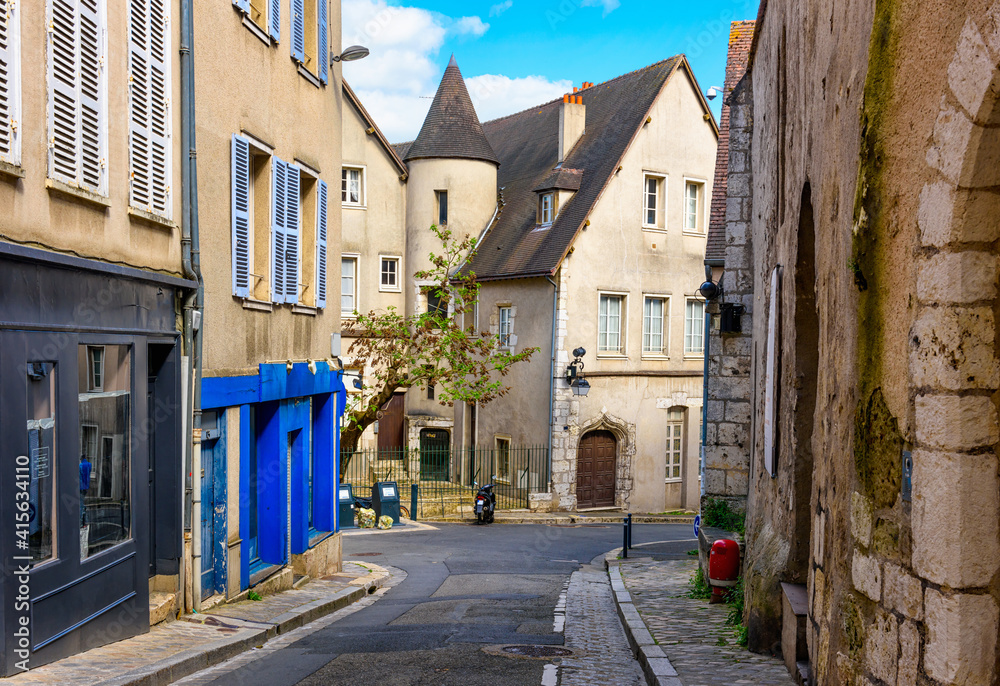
(574, 374)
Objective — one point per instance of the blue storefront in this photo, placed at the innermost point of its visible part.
(280, 431)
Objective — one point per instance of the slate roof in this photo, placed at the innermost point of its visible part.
(562, 179)
(527, 145)
(451, 128)
(740, 38)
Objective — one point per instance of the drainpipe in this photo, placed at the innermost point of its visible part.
(552, 370)
(704, 406)
(194, 300)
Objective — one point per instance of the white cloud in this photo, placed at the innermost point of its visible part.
(397, 81)
(608, 5)
(500, 8)
(496, 95)
(470, 26)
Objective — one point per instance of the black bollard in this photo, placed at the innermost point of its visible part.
(625, 539)
(630, 530)
(413, 501)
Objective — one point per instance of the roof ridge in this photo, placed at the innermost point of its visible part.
(602, 83)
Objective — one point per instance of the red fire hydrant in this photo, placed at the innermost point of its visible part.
(723, 567)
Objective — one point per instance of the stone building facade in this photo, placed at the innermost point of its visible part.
(874, 482)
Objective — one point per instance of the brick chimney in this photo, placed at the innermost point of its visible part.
(572, 122)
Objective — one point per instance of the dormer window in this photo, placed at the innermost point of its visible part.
(546, 209)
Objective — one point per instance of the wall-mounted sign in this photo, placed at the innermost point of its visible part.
(771, 374)
(388, 491)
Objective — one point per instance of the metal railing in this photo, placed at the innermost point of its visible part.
(445, 476)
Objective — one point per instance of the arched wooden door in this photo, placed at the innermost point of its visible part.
(595, 470)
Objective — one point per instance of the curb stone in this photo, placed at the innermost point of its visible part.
(654, 662)
(249, 634)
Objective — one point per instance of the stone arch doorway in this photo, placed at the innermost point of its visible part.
(596, 466)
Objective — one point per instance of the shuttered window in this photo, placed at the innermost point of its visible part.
(241, 217)
(321, 238)
(286, 255)
(10, 82)
(266, 14)
(149, 106)
(77, 90)
(299, 30)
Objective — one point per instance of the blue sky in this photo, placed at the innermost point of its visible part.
(519, 53)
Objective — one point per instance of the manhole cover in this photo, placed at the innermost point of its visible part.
(537, 651)
(363, 554)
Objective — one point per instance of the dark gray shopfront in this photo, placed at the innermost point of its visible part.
(90, 432)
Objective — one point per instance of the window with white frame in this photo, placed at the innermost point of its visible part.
(654, 325)
(348, 285)
(546, 209)
(352, 187)
(389, 274)
(675, 443)
(654, 197)
(149, 106)
(95, 364)
(10, 84)
(506, 328)
(694, 192)
(694, 328)
(472, 318)
(77, 90)
(610, 338)
(503, 458)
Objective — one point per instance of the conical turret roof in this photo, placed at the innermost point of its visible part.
(452, 128)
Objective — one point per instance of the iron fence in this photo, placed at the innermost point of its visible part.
(446, 476)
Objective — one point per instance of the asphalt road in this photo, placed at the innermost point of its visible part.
(467, 588)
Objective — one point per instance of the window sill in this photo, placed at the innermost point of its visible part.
(673, 481)
(654, 356)
(308, 75)
(694, 232)
(390, 290)
(11, 171)
(150, 218)
(305, 309)
(612, 356)
(257, 305)
(348, 315)
(351, 206)
(75, 193)
(693, 356)
(256, 30)
(653, 229)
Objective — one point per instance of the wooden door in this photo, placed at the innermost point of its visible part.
(390, 427)
(595, 470)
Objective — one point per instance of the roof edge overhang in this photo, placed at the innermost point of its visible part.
(715, 262)
(444, 157)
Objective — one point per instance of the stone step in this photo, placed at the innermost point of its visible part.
(162, 606)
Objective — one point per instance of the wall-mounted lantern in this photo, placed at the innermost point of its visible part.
(574, 374)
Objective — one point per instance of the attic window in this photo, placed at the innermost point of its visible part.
(546, 209)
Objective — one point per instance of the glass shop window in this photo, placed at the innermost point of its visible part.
(105, 449)
(41, 461)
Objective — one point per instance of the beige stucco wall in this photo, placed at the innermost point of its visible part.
(246, 86)
(35, 215)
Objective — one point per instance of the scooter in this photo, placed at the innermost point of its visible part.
(486, 503)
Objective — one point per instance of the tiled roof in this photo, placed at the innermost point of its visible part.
(740, 39)
(390, 150)
(527, 145)
(451, 129)
(562, 179)
(402, 148)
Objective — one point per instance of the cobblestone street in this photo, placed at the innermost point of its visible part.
(693, 633)
(592, 627)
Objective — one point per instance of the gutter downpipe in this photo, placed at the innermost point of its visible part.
(194, 301)
(704, 406)
(552, 371)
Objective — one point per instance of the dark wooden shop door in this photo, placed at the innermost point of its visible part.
(390, 427)
(595, 470)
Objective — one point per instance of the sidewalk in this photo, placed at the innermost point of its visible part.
(699, 649)
(173, 650)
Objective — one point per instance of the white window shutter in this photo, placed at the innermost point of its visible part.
(278, 204)
(274, 20)
(323, 41)
(149, 104)
(321, 231)
(10, 82)
(299, 30)
(77, 93)
(293, 251)
(243, 5)
(241, 217)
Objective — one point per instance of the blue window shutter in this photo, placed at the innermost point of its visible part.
(274, 19)
(242, 4)
(299, 30)
(241, 217)
(278, 207)
(321, 246)
(293, 251)
(323, 48)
